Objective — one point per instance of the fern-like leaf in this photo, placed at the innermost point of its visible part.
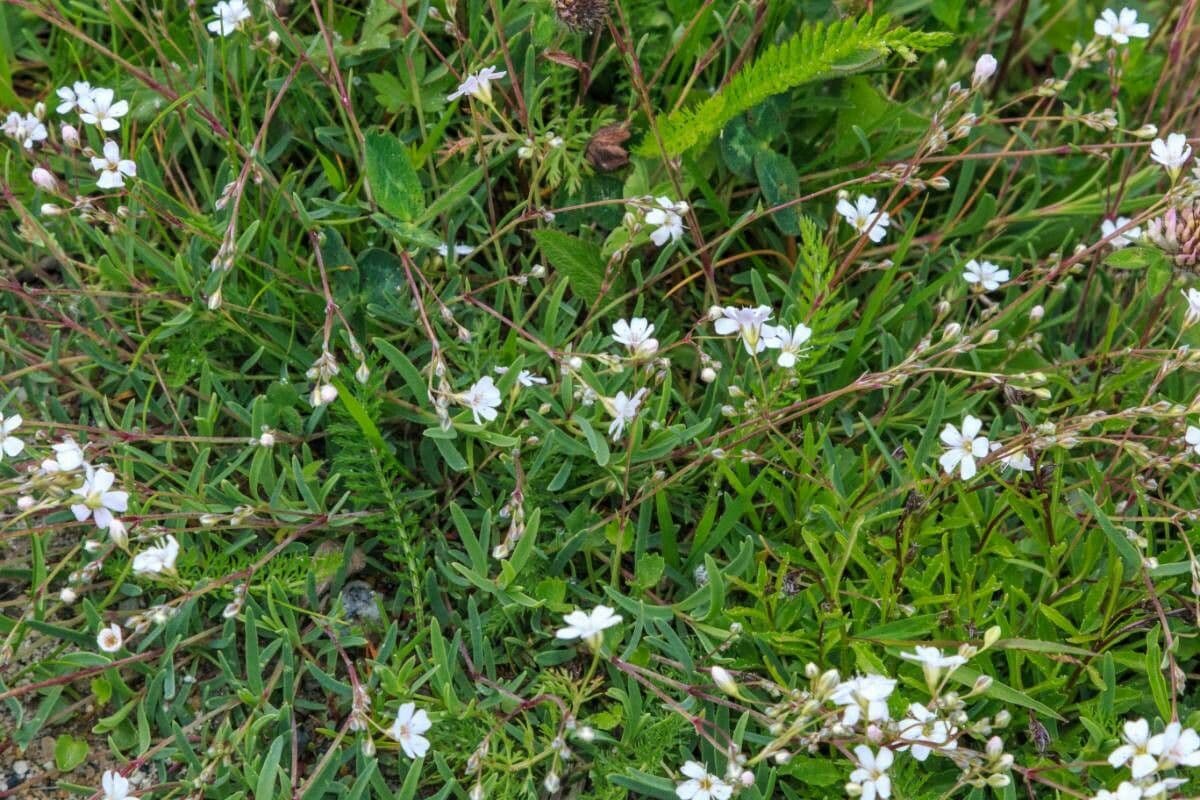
(816, 52)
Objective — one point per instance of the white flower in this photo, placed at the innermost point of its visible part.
(99, 109)
(73, 96)
(1019, 461)
(666, 220)
(790, 343)
(112, 167)
(1192, 438)
(863, 217)
(749, 323)
(231, 15)
(524, 377)
(110, 638)
(1136, 750)
(25, 129)
(483, 398)
(871, 775)
(1126, 791)
(864, 694)
(933, 661)
(1120, 27)
(963, 448)
(700, 785)
(985, 68)
(635, 334)
(68, 456)
(157, 559)
(623, 409)
(443, 250)
(984, 276)
(1108, 227)
(97, 500)
(923, 728)
(1159, 788)
(9, 444)
(407, 729)
(478, 85)
(1192, 315)
(116, 786)
(1175, 746)
(588, 625)
(1173, 153)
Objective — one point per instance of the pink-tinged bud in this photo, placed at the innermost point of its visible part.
(51, 210)
(985, 68)
(329, 393)
(70, 136)
(44, 179)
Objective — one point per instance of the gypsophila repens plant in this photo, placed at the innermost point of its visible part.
(599, 398)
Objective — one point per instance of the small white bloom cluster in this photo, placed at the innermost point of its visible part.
(966, 445)
(478, 85)
(751, 326)
(231, 16)
(1148, 756)
(662, 214)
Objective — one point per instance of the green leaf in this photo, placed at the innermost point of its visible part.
(578, 260)
(69, 752)
(595, 440)
(394, 184)
(780, 183)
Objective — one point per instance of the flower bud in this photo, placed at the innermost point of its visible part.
(329, 393)
(991, 636)
(715, 313)
(51, 210)
(708, 374)
(552, 783)
(43, 179)
(67, 595)
(1036, 313)
(985, 68)
(724, 681)
(982, 684)
(214, 300)
(1146, 132)
(363, 373)
(118, 534)
(24, 503)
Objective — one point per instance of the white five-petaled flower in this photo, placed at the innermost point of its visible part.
(700, 785)
(864, 697)
(985, 276)
(1192, 438)
(665, 217)
(68, 457)
(443, 250)
(524, 377)
(1126, 791)
(158, 559)
(478, 85)
(790, 343)
(1175, 746)
(1136, 750)
(26, 129)
(963, 447)
(750, 324)
(871, 775)
(73, 96)
(624, 408)
(1192, 315)
(861, 214)
(1108, 227)
(115, 786)
(408, 728)
(924, 728)
(1173, 153)
(97, 500)
(112, 167)
(483, 398)
(9, 444)
(588, 625)
(99, 109)
(1120, 27)
(110, 638)
(635, 334)
(1019, 461)
(231, 15)
(933, 660)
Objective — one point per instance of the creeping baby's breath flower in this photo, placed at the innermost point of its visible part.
(68, 456)
(665, 217)
(110, 638)
(1192, 438)
(1192, 315)
(749, 323)
(790, 342)
(1176, 746)
(478, 85)
(112, 167)
(588, 625)
(1120, 27)
(871, 775)
(923, 728)
(483, 398)
(963, 447)
(115, 786)
(1135, 751)
(933, 661)
(231, 15)
(99, 109)
(524, 377)
(700, 785)
(158, 559)
(443, 250)
(73, 96)
(1108, 227)
(985, 276)
(408, 728)
(1173, 153)
(97, 500)
(635, 334)
(864, 218)
(1019, 461)
(26, 129)
(864, 697)
(9, 444)
(624, 408)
